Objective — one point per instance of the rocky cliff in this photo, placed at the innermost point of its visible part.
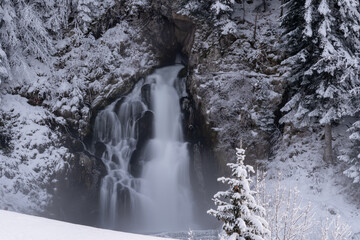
(234, 80)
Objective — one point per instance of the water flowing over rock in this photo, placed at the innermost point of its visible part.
(147, 185)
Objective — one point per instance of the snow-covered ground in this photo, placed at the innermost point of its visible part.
(16, 226)
(299, 164)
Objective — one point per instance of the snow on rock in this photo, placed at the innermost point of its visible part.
(236, 80)
(30, 155)
(15, 226)
(88, 72)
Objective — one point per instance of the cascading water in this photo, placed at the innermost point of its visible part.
(159, 198)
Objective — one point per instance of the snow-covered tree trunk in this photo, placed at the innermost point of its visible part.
(328, 153)
(265, 5)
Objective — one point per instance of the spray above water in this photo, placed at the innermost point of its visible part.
(147, 186)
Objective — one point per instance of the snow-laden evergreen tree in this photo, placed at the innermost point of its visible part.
(4, 74)
(56, 15)
(237, 207)
(351, 157)
(322, 41)
(222, 11)
(28, 33)
(84, 13)
(223, 6)
(88, 11)
(191, 235)
(27, 27)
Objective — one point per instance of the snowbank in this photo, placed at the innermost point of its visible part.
(15, 226)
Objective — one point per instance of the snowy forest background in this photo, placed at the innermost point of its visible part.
(283, 75)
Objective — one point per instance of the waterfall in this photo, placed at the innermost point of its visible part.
(140, 140)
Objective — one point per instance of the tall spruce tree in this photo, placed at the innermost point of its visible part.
(29, 27)
(321, 37)
(351, 157)
(241, 215)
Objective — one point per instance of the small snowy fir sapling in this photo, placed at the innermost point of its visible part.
(242, 216)
(222, 6)
(191, 235)
(351, 157)
(83, 13)
(222, 10)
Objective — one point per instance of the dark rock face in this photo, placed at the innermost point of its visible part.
(145, 127)
(145, 95)
(160, 32)
(77, 190)
(184, 32)
(203, 163)
(99, 149)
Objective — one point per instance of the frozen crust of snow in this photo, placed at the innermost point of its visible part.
(16, 226)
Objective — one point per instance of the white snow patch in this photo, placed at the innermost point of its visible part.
(16, 226)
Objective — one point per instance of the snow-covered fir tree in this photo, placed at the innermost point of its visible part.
(222, 10)
(322, 41)
(84, 13)
(28, 30)
(88, 11)
(237, 207)
(191, 235)
(223, 6)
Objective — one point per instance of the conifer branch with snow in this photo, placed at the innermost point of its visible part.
(322, 44)
(322, 47)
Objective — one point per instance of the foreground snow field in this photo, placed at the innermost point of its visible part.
(16, 226)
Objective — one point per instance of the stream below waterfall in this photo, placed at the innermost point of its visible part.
(147, 187)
